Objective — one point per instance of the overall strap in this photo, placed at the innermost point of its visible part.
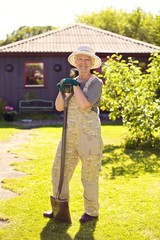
(85, 89)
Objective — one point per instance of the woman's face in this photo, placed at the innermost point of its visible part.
(83, 63)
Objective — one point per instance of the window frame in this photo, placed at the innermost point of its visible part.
(40, 69)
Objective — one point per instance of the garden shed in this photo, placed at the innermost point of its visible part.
(31, 68)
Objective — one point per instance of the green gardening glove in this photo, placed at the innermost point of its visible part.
(59, 85)
(66, 84)
(71, 81)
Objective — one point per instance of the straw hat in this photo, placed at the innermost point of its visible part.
(88, 51)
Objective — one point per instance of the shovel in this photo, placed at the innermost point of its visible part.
(60, 207)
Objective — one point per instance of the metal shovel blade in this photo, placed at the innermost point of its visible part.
(60, 210)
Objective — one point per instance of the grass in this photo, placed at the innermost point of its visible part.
(129, 192)
(6, 130)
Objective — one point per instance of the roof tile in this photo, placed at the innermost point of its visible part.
(69, 38)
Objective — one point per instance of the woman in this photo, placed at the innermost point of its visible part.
(83, 132)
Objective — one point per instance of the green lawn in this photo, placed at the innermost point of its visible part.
(6, 130)
(129, 192)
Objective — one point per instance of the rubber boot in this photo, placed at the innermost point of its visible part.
(48, 214)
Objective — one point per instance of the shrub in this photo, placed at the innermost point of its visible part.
(133, 95)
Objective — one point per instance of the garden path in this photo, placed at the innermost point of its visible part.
(7, 157)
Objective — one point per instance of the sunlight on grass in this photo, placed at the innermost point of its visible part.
(129, 192)
(6, 131)
(113, 134)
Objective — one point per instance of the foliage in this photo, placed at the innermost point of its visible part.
(129, 94)
(9, 110)
(139, 26)
(25, 32)
(5, 109)
(109, 19)
(136, 24)
(31, 95)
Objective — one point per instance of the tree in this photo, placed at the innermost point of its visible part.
(25, 32)
(139, 26)
(134, 96)
(136, 24)
(108, 19)
(155, 33)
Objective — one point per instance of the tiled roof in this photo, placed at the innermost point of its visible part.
(69, 38)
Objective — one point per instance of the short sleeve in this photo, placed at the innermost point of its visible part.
(94, 91)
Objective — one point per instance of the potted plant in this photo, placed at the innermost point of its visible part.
(9, 113)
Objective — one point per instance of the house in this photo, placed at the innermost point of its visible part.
(31, 68)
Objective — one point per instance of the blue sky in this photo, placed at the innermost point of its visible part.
(60, 13)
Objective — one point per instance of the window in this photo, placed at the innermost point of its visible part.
(34, 74)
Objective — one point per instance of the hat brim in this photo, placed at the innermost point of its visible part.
(96, 63)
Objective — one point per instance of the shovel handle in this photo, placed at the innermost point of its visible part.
(63, 147)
